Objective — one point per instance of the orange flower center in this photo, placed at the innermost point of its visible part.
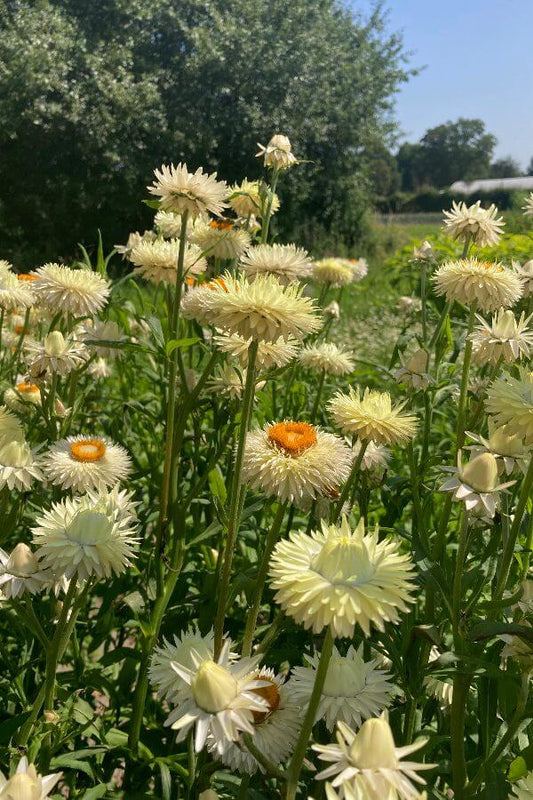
(221, 224)
(27, 388)
(19, 329)
(292, 437)
(190, 281)
(88, 450)
(269, 693)
(215, 283)
(26, 276)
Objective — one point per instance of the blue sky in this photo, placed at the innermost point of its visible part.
(478, 56)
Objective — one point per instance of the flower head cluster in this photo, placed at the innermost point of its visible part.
(523, 789)
(490, 285)
(193, 192)
(10, 427)
(157, 260)
(508, 448)
(56, 354)
(20, 572)
(342, 578)
(336, 272)
(81, 463)
(221, 239)
(368, 766)
(27, 784)
(245, 199)
(101, 334)
(474, 223)
(414, 372)
(286, 261)
(23, 395)
(277, 153)
(263, 310)
(18, 465)
(14, 293)
(359, 268)
(527, 208)
(166, 680)
(476, 484)
(269, 354)
(81, 292)
(525, 273)
(327, 357)
(505, 338)
(134, 239)
(354, 689)
(372, 416)
(510, 402)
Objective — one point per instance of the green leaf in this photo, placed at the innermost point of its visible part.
(100, 790)
(155, 204)
(488, 630)
(166, 780)
(66, 760)
(217, 485)
(173, 344)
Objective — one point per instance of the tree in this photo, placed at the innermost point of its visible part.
(453, 151)
(530, 168)
(505, 168)
(93, 96)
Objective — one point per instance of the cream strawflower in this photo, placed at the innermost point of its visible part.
(81, 463)
(14, 293)
(336, 272)
(27, 784)
(295, 461)
(409, 305)
(89, 535)
(275, 731)
(104, 331)
(10, 427)
(168, 224)
(341, 578)
(245, 199)
(195, 192)
(414, 372)
(375, 457)
(134, 239)
(221, 239)
(523, 789)
(230, 380)
(368, 766)
(327, 357)
(528, 206)
(157, 261)
(81, 292)
(508, 449)
(277, 154)
(333, 310)
(359, 268)
(424, 252)
(23, 396)
(5, 267)
(20, 572)
(476, 484)
(99, 368)
(354, 689)
(525, 273)
(491, 285)
(18, 468)
(441, 690)
(286, 261)
(505, 338)
(218, 698)
(263, 310)
(474, 223)
(372, 416)
(510, 401)
(55, 354)
(269, 354)
(163, 677)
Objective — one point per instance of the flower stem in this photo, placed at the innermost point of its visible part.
(236, 500)
(297, 760)
(253, 613)
(351, 480)
(464, 379)
(265, 223)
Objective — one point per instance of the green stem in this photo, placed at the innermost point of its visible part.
(316, 405)
(16, 356)
(265, 222)
(253, 613)
(464, 380)
(461, 686)
(297, 760)
(440, 325)
(269, 768)
(235, 501)
(52, 656)
(351, 480)
(423, 281)
(458, 581)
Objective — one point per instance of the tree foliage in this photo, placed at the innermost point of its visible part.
(93, 96)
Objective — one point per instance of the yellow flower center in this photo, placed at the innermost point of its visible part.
(292, 437)
(221, 224)
(27, 388)
(88, 450)
(269, 693)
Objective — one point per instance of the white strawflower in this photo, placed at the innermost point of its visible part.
(341, 578)
(221, 239)
(24, 395)
(528, 206)
(295, 461)
(195, 192)
(245, 199)
(269, 354)
(336, 272)
(81, 292)
(263, 310)
(409, 305)
(359, 268)
(104, 331)
(375, 457)
(523, 789)
(441, 690)
(10, 427)
(327, 357)
(168, 224)
(424, 251)
(18, 468)
(20, 572)
(84, 536)
(286, 261)
(55, 354)
(99, 368)
(372, 416)
(27, 784)
(157, 261)
(368, 766)
(333, 310)
(469, 280)
(525, 273)
(277, 154)
(14, 293)
(6, 267)
(354, 689)
(166, 680)
(508, 449)
(275, 731)
(476, 484)
(510, 401)
(414, 372)
(218, 698)
(474, 223)
(134, 239)
(505, 338)
(81, 463)
(228, 380)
